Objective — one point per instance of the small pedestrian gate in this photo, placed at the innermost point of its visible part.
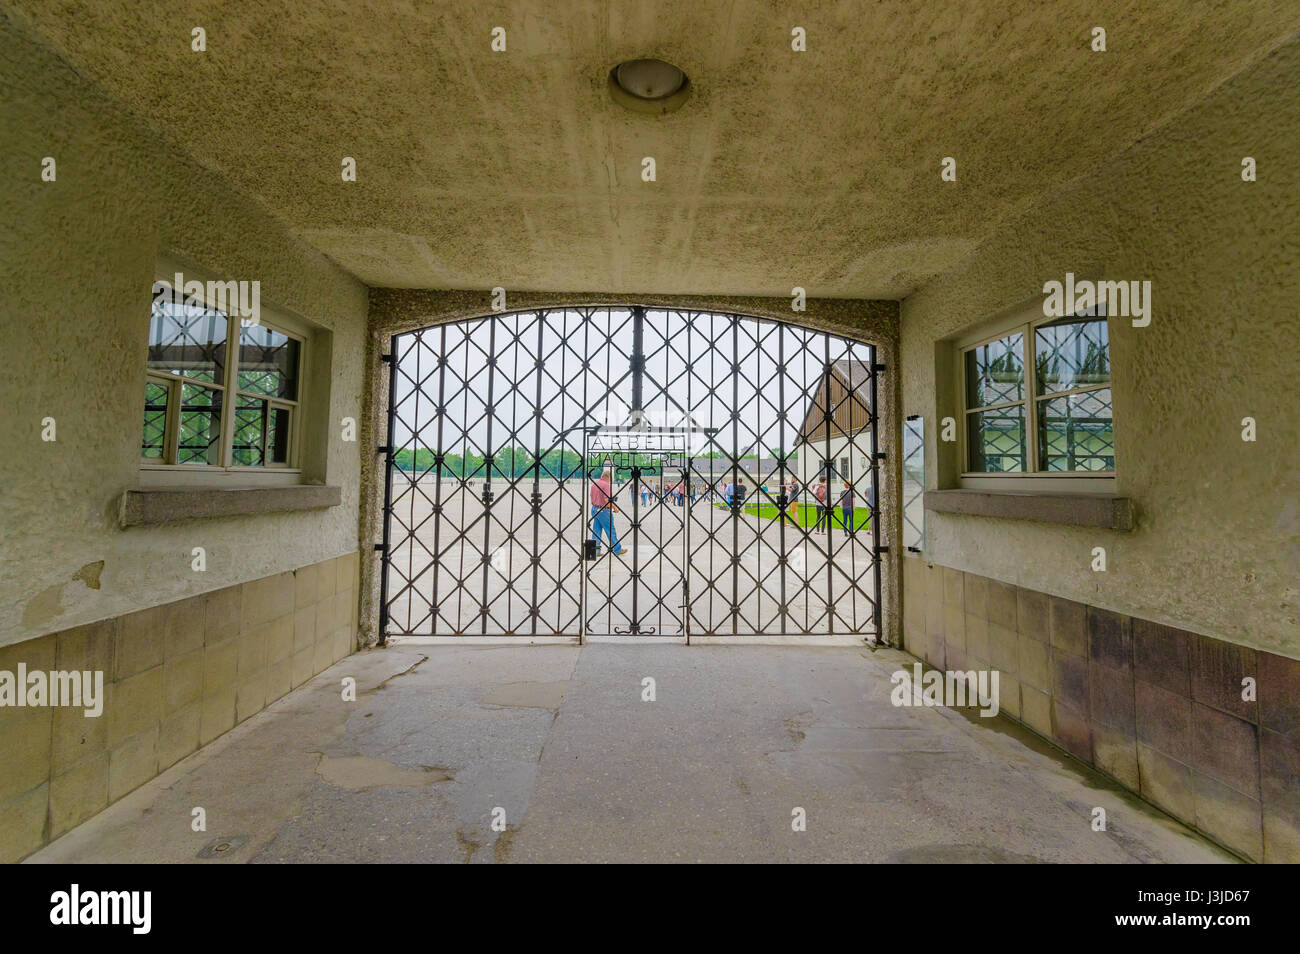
(741, 456)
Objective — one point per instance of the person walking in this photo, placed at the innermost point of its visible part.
(645, 492)
(603, 509)
(793, 490)
(822, 493)
(846, 507)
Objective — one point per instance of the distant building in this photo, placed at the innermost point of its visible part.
(835, 437)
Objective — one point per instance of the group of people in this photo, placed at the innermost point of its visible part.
(732, 494)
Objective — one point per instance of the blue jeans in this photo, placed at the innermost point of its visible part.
(602, 520)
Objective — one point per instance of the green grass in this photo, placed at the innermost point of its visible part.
(808, 515)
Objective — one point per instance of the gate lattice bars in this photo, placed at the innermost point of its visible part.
(488, 477)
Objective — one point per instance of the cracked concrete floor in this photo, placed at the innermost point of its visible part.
(557, 742)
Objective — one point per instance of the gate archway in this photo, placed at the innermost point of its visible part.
(717, 431)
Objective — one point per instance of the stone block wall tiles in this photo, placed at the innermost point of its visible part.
(222, 615)
(23, 821)
(976, 594)
(1003, 604)
(1009, 695)
(1279, 694)
(141, 639)
(952, 586)
(1068, 626)
(1166, 782)
(1036, 710)
(977, 637)
(1034, 665)
(91, 647)
(184, 627)
(1279, 775)
(176, 677)
(1161, 656)
(1164, 721)
(1231, 818)
(306, 587)
(1033, 614)
(1156, 708)
(1004, 648)
(77, 794)
(1226, 748)
(1114, 752)
(267, 598)
(1110, 640)
(1218, 670)
(1071, 730)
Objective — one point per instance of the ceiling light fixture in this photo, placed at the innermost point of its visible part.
(649, 86)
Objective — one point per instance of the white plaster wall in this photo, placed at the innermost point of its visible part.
(1217, 547)
(77, 259)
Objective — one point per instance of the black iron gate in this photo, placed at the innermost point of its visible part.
(740, 497)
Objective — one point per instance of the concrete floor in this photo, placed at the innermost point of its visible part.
(559, 737)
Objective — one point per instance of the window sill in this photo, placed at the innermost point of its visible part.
(154, 506)
(1108, 511)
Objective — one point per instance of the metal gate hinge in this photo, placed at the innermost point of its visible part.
(878, 367)
(380, 547)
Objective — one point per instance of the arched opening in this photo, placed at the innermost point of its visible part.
(594, 471)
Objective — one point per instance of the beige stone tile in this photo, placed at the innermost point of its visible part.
(1004, 647)
(343, 644)
(222, 615)
(1228, 816)
(134, 705)
(185, 622)
(1166, 782)
(306, 586)
(304, 629)
(1009, 694)
(346, 568)
(953, 590)
(78, 793)
(267, 599)
(78, 737)
(182, 681)
(141, 638)
(303, 660)
(217, 713)
(323, 654)
(1036, 710)
(22, 823)
(178, 735)
(34, 653)
(977, 636)
(283, 634)
(279, 678)
(132, 763)
(89, 647)
(220, 667)
(954, 625)
(25, 745)
(250, 696)
(254, 646)
(1114, 751)
(326, 579)
(1033, 667)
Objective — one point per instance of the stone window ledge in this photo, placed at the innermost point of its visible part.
(145, 507)
(1108, 511)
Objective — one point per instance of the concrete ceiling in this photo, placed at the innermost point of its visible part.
(819, 169)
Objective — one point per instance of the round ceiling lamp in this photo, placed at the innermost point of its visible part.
(649, 86)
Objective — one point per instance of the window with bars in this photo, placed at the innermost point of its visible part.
(219, 392)
(1038, 400)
